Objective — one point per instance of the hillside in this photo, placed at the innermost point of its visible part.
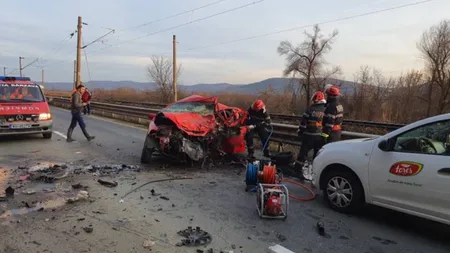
(277, 84)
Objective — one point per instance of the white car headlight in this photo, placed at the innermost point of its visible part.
(45, 116)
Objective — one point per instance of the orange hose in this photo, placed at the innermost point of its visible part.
(269, 173)
(313, 195)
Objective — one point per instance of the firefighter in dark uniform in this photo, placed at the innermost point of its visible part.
(258, 120)
(311, 129)
(334, 114)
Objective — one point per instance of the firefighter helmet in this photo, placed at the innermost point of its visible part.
(333, 91)
(318, 96)
(258, 105)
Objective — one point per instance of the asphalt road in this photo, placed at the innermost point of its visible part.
(215, 200)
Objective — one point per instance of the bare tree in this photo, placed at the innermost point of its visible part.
(407, 91)
(161, 72)
(307, 59)
(435, 47)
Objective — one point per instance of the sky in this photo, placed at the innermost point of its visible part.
(41, 30)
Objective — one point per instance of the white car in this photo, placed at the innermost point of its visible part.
(407, 170)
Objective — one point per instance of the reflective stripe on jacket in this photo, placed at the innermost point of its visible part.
(312, 120)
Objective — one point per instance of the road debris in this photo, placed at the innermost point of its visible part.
(29, 192)
(107, 183)
(103, 170)
(194, 237)
(155, 181)
(48, 172)
(148, 243)
(79, 186)
(164, 197)
(82, 195)
(320, 228)
(24, 177)
(9, 191)
(88, 229)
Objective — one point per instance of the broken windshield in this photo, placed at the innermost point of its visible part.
(11, 93)
(194, 107)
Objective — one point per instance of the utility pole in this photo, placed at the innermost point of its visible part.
(78, 63)
(174, 69)
(4, 71)
(74, 74)
(20, 65)
(42, 77)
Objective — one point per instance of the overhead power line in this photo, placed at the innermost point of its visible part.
(310, 25)
(87, 62)
(57, 49)
(101, 37)
(183, 24)
(172, 16)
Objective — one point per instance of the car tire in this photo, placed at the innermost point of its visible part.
(351, 188)
(146, 155)
(47, 135)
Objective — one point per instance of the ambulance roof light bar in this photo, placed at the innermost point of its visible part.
(14, 78)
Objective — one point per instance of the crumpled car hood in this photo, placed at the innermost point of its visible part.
(192, 123)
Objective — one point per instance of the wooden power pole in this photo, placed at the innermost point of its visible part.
(174, 69)
(78, 62)
(20, 65)
(74, 73)
(42, 77)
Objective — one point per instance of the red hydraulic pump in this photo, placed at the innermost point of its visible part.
(273, 205)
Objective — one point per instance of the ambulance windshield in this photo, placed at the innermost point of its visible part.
(13, 93)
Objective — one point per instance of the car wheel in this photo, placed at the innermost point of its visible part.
(343, 191)
(47, 135)
(146, 155)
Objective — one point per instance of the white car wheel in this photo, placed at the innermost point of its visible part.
(339, 191)
(343, 190)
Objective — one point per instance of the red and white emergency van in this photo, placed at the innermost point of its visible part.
(23, 108)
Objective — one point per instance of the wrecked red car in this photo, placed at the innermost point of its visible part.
(195, 128)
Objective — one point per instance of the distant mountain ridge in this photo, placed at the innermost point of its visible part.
(278, 84)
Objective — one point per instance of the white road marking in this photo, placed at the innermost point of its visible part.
(115, 121)
(60, 134)
(279, 249)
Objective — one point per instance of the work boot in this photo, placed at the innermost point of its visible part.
(69, 135)
(86, 134)
(299, 169)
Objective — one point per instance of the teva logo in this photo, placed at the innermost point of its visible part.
(406, 169)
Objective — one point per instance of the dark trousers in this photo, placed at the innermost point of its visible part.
(77, 118)
(263, 136)
(309, 142)
(87, 109)
(334, 136)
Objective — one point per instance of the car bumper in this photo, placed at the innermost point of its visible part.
(316, 173)
(22, 128)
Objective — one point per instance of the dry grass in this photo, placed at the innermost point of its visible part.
(275, 102)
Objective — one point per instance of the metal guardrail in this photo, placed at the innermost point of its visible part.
(280, 117)
(283, 133)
